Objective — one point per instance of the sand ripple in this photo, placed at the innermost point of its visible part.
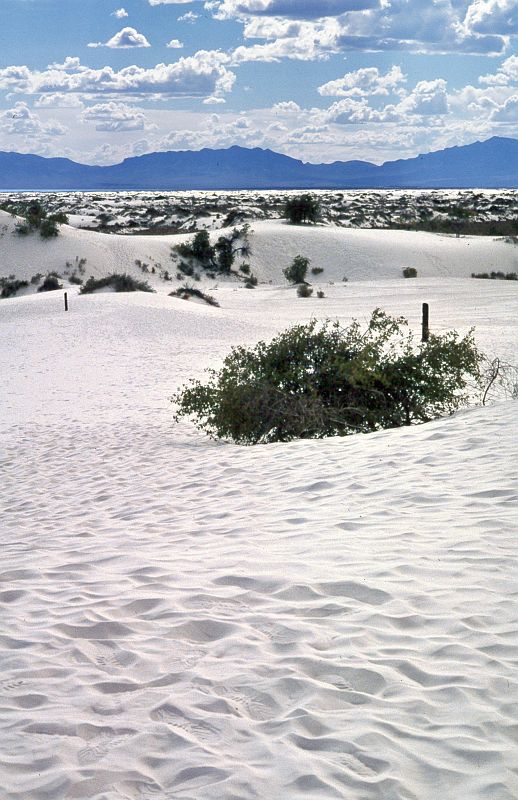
(352, 636)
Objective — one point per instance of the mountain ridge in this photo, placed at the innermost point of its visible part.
(492, 163)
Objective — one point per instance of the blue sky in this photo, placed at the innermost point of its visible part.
(316, 79)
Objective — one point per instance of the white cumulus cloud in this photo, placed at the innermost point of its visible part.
(128, 37)
(364, 81)
(113, 117)
(22, 121)
(201, 75)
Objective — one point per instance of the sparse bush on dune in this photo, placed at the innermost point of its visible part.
(118, 282)
(186, 292)
(219, 256)
(51, 283)
(251, 282)
(496, 276)
(409, 272)
(35, 217)
(9, 287)
(322, 380)
(304, 290)
(297, 270)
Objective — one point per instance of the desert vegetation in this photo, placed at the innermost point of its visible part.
(116, 281)
(456, 212)
(298, 269)
(187, 292)
(218, 257)
(302, 209)
(35, 217)
(318, 380)
(496, 276)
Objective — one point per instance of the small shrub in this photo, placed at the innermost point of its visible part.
(50, 284)
(345, 279)
(317, 270)
(297, 270)
(48, 228)
(320, 294)
(496, 276)
(245, 268)
(186, 269)
(22, 228)
(118, 282)
(36, 279)
(409, 272)
(186, 292)
(11, 286)
(303, 290)
(76, 280)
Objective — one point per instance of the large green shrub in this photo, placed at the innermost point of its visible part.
(322, 380)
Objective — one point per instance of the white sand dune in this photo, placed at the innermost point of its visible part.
(188, 619)
(356, 254)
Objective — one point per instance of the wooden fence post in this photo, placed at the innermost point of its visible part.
(66, 301)
(426, 327)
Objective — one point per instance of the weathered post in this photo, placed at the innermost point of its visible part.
(426, 327)
(66, 301)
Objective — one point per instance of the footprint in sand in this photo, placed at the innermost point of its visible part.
(277, 633)
(183, 657)
(12, 685)
(100, 747)
(200, 731)
(121, 659)
(253, 705)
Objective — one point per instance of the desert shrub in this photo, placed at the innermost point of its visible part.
(322, 380)
(201, 248)
(76, 280)
(251, 281)
(317, 270)
(118, 282)
(10, 286)
(303, 290)
(186, 292)
(60, 217)
(297, 270)
(186, 269)
(496, 276)
(301, 209)
(320, 294)
(36, 278)
(22, 228)
(219, 256)
(409, 272)
(50, 284)
(245, 268)
(48, 228)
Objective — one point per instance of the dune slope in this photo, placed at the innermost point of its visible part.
(354, 253)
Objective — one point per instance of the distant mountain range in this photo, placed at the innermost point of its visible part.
(489, 164)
